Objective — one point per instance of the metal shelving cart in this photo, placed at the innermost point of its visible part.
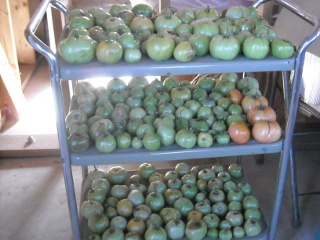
(60, 71)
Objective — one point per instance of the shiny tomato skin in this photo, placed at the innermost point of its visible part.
(266, 132)
(239, 132)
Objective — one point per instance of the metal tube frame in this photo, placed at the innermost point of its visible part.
(62, 134)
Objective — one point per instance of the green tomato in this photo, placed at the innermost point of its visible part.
(196, 229)
(132, 55)
(225, 234)
(141, 23)
(186, 139)
(142, 9)
(204, 140)
(155, 233)
(78, 142)
(281, 48)
(224, 48)
(200, 42)
(113, 233)
(186, 16)
(76, 12)
(151, 141)
(155, 201)
(168, 22)
(175, 229)
(109, 52)
(160, 48)
(116, 8)
(223, 138)
(205, 27)
(184, 52)
(207, 13)
(266, 31)
(77, 49)
(255, 47)
(106, 143)
(81, 21)
(252, 227)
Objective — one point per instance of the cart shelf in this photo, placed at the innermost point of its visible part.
(93, 157)
(148, 67)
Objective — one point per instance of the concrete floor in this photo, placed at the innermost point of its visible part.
(34, 206)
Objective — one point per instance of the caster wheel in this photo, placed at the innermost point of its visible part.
(296, 223)
(259, 159)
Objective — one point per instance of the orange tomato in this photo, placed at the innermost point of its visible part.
(239, 132)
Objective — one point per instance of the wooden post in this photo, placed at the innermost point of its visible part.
(20, 17)
(10, 82)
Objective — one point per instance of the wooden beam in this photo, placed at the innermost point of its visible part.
(11, 87)
(7, 37)
(20, 16)
(17, 146)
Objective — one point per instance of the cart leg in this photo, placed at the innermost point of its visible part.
(71, 200)
(294, 192)
(273, 88)
(283, 168)
(239, 158)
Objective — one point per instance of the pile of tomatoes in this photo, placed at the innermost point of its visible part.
(183, 34)
(137, 114)
(193, 202)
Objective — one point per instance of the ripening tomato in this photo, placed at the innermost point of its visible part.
(266, 132)
(235, 96)
(261, 113)
(251, 101)
(239, 132)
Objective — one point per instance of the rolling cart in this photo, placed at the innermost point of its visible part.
(60, 71)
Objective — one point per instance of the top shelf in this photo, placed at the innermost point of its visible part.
(148, 67)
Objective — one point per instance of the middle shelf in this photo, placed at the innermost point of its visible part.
(93, 157)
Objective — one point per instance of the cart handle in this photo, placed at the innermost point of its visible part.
(33, 25)
(294, 8)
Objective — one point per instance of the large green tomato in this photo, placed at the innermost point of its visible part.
(76, 12)
(140, 23)
(207, 13)
(77, 49)
(142, 9)
(196, 229)
(109, 52)
(255, 47)
(224, 48)
(81, 21)
(116, 8)
(266, 31)
(169, 22)
(185, 15)
(205, 27)
(160, 48)
(281, 48)
(78, 31)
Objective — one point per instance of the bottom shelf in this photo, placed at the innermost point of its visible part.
(83, 222)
